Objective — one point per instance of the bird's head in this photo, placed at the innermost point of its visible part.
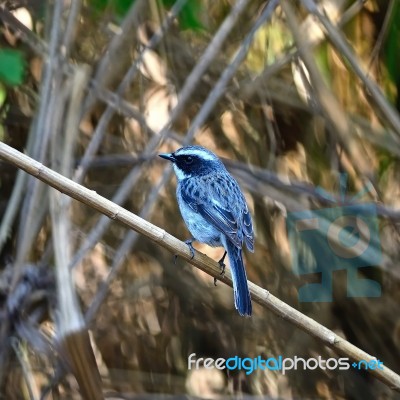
(193, 161)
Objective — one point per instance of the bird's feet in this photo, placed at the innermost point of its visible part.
(191, 248)
(222, 265)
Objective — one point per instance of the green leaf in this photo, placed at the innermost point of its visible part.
(119, 7)
(392, 48)
(99, 5)
(123, 6)
(189, 17)
(12, 67)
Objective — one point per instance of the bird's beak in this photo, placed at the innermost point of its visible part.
(168, 156)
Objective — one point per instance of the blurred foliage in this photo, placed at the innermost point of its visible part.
(118, 7)
(269, 42)
(392, 46)
(12, 67)
(269, 123)
(392, 49)
(189, 17)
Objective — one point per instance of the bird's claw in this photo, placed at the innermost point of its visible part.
(191, 249)
(222, 266)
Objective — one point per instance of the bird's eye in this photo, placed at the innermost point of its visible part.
(188, 159)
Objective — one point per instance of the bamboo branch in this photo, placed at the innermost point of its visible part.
(201, 261)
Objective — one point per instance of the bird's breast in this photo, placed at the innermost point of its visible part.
(200, 229)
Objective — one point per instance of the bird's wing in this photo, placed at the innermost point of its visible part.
(218, 214)
(248, 229)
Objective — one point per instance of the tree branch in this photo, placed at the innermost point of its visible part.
(201, 261)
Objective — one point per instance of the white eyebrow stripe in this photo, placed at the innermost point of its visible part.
(196, 152)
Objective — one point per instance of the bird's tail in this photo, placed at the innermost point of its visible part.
(239, 278)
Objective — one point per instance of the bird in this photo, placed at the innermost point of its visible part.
(215, 211)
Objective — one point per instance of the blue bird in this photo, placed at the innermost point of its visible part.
(215, 212)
